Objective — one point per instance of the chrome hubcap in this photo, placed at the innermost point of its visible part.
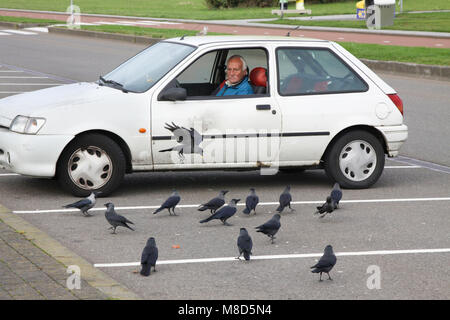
(90, 168)
(357, 160)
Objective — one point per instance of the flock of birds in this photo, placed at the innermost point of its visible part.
(222, 212)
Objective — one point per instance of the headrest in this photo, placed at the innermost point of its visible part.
(258, 77)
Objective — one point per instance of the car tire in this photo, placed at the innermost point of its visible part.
(91, 162)
(355, 160)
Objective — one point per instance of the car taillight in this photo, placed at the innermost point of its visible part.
(397, 101)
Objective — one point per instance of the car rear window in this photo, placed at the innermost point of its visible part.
(315, 71)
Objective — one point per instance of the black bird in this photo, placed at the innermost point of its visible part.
(285, 200)
(170, 203)
(114, 219)
(251, 202)
(223, 214)
(85, 204)
(245, 244)
(188, 140)
(149, 257)
(326, 263)
(327, 207)
(336, 195)
(271, 227)
(214, 203)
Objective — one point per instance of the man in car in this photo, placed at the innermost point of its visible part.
(237, 78)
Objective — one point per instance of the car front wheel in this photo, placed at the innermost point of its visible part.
(355, 160)
(91, 162)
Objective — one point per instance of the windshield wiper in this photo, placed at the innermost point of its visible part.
(114, 83)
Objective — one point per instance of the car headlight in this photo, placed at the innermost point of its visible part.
(27, 125)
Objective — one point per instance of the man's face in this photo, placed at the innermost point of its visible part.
(234, 71)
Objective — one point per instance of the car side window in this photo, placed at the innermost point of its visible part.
(200, 71)
(205, 77)
(315, 71)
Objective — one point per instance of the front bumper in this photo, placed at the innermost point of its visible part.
(394, 136)
(32, 155)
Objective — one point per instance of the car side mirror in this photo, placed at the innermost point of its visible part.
(173, 94)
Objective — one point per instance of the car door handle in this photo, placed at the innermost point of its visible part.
(263, 107)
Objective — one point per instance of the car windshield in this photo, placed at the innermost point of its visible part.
(141, 72)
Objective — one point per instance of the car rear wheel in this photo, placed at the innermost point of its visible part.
(91, 162)
(355, 160)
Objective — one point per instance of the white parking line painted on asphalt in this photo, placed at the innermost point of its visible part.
(30, 84)
(22, 77)
(38, 29)
(26, 33)
(4, 34)
(279, 256)
(403, 167)
(8, 174)
(239, 204)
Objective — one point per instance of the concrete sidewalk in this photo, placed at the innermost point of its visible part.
(34, 267)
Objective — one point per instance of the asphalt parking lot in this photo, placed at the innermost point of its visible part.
(407, 209)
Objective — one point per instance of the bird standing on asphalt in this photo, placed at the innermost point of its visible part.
(214, 203)
(271, 227)
(285, 200)
(251, 202)
(149, 257)
(85, 204)
(336, 195)
(245, 244)
(326, 263)
(114, 219)
(327, 207)
(170, 203)
(223, 214)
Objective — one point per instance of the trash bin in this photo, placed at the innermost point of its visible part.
(380, 14)
(361, 10)
(283, 4)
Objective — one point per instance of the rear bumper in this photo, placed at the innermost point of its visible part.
(32, 155)
(394, 136)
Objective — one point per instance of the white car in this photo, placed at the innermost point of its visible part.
(315, 106)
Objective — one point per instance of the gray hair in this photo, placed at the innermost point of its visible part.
(244, 64)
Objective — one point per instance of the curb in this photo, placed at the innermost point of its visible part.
(422, 70)
(105, 35)
(91, 275)
(20, 25)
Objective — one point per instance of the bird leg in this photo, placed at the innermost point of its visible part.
(320, 278)
(271, 238)
(323, 215)
(173, 210)
(226, 223)
(114, 230)
(329, 278)
(86, 214)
